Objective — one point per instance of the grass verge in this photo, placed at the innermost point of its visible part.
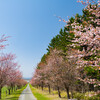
(38, 95)
(13, 96)
(44, 95)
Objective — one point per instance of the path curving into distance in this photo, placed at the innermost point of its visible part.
(27, 94)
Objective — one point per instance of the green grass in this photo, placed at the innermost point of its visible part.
(13, 96)
(38, 95)
(44, 95)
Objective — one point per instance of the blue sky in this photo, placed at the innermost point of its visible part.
(31, 25)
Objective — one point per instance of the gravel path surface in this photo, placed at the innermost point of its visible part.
(27, 94)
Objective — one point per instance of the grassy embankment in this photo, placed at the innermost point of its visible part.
(44, 95)
(14, 96)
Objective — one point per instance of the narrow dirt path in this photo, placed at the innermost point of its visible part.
(27, 94)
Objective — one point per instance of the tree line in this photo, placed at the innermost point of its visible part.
(10, 75)
(72, 61)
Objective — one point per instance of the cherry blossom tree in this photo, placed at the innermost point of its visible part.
(5, 67)
(3, 39)
(9, 69)
(57, 72)
(13, 78)
(73, 56)
(86, 29)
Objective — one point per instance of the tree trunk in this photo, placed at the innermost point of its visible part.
(67, 91)
(83, 87)
(6, 92)
(49, 88)
(16, 88)
(42, 86)
(91, 87)
(12, 89)
(59, 92)
(9, 91)
(72, 94)
(0, 92)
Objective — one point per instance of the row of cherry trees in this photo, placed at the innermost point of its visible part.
(10, 75)
(72, 62)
